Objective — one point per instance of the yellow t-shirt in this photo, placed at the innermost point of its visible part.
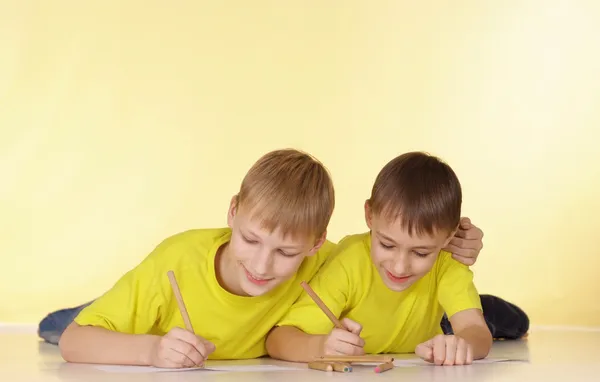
(393, 322)
(142, 301)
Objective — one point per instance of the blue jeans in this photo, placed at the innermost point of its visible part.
(53, 325)
(505, 320)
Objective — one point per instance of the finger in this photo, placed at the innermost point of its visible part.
(468, 261)
(424, 351)
(348, 349)
(351, 338)
(473, 233)
(189, 351)
(464, 251)
(465, 223)
(199, 343)
(178, 359)
(209, 346)
(471, 244)
(469, 355)
(352, 326)
(439, 349)
(451, 345)
(461, 352)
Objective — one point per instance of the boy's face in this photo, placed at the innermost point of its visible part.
(261, 260)
(400, 258)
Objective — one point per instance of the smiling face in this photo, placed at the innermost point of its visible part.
(257, 259)
(278, 218)
(400, 257)
(413, 212)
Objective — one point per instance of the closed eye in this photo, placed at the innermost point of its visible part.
(386, 246)
(421, 254)
(287, 254)
(248, 240)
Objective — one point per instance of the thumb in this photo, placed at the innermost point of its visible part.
(425, 351)
(352, 326)
(210, 347)
(465, 223)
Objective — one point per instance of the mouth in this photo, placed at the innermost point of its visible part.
(397, 279)
(256, 280)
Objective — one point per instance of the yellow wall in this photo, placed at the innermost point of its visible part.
(124, 122)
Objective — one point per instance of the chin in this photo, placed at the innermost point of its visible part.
(255, 290)
(396, 287)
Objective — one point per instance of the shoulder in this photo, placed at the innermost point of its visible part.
(189, 246)
(445, 263)
(357, 246)
(352, 252)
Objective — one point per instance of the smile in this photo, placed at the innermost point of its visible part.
(397, 279)
(255, 279)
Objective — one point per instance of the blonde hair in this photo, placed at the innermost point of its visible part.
(419, 189)
(290, 190)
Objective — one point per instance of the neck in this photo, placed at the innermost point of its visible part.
(225, 270)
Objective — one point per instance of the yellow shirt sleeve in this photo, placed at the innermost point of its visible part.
(331, 284)
(133, 304)
(456, 290)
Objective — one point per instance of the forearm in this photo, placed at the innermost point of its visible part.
(291, 344)
(479, 338)
(89, 344)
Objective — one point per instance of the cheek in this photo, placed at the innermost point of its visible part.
(240, 249)
(379, 255)
(423, 265)
(284, 267)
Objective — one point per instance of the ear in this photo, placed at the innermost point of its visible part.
(368, 214)
(451, 236)
(318, 244)
(232, 210)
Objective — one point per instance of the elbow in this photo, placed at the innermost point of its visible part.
(485, 346)
(66, 344)
(271, 343)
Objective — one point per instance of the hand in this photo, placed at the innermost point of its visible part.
(446, 350)
(180, 348)
(466, 243)
(345, 342)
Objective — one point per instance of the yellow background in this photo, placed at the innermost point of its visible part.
(122, 123)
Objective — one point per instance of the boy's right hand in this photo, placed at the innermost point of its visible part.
(345, 342)
(180, 348)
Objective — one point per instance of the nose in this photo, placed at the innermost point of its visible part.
(261, 262)
(402, 265)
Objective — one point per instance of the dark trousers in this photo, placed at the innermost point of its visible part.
(505, 320)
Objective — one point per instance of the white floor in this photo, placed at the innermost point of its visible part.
(547, 355)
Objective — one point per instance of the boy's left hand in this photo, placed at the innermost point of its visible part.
(466, 243)
(446, 350)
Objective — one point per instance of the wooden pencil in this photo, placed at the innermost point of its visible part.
(356, 358)
(180, 303)
(342, 367)
(384, 367)
(337, 323)
(318, 365)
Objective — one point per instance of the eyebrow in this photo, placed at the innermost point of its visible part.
(387, 238)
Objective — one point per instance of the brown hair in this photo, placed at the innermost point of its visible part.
(419, 189)
(290, 190)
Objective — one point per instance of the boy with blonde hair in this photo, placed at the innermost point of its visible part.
(393, 284)
(237, 282)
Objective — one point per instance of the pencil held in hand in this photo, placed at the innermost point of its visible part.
(337, 323)
(180, 303)
(180, 347)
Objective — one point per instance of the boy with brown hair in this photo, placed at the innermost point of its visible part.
(237, 282)
(393, 284)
